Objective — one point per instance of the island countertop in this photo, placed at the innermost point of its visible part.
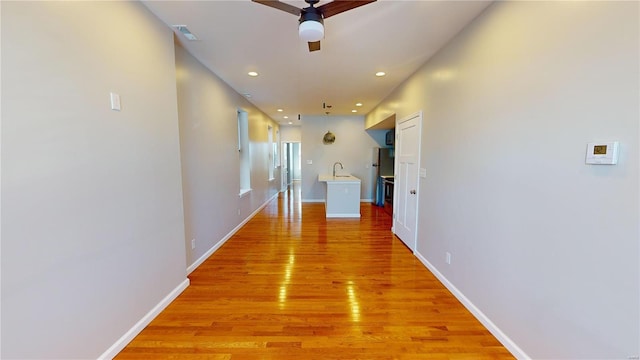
(344, 178)
(342, 195)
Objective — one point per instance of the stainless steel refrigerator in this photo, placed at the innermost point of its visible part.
(383, 165)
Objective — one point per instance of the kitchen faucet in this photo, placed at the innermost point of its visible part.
(334, 167)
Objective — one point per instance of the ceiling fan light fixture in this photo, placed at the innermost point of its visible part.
(311, 28)
(311, 31)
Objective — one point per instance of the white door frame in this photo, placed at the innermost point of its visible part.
(291, 165)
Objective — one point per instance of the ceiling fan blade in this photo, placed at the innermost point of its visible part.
(338, 6)
(280, 6)
(314, 46)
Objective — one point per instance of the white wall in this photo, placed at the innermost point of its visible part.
(92, 220)
(380, 137)
(544, 245)
(290, 134)
(353, 148)
(210, 163)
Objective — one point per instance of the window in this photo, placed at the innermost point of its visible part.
(244, 153)
(276, 157)
(271, 155)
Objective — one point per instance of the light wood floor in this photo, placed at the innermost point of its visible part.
(294, 285)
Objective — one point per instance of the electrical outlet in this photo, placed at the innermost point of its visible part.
(238, 211)
(193, 244)
(447, 258)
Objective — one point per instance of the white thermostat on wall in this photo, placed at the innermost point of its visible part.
(602, 153)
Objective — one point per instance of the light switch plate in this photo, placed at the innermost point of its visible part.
(423, 172)
(115, 101)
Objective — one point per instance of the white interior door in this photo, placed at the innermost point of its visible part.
(406, 179)
(375, 172)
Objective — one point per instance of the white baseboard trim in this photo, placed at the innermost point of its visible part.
(341, 215)
(142, 323)
(493, 328)
(366, 200)
(215, 247)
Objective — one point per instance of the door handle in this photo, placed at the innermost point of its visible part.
(412, 192)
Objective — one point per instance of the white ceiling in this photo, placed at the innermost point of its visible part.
(238, 36)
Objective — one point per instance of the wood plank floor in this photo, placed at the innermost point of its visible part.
(294, 285)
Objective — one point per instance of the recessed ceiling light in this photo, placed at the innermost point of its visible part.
(247, 95)
(354, 110)
(280, 110)
(290, 123)
(286, 117)
(187, 34)
(381, 73)
(358, 104)
(252, 73)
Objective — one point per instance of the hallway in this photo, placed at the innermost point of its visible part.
(294, 285)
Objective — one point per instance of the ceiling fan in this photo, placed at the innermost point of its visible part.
(311, 28)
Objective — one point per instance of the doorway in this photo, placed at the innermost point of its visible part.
(291, 164)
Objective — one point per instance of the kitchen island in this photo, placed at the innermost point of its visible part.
(342, 196)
